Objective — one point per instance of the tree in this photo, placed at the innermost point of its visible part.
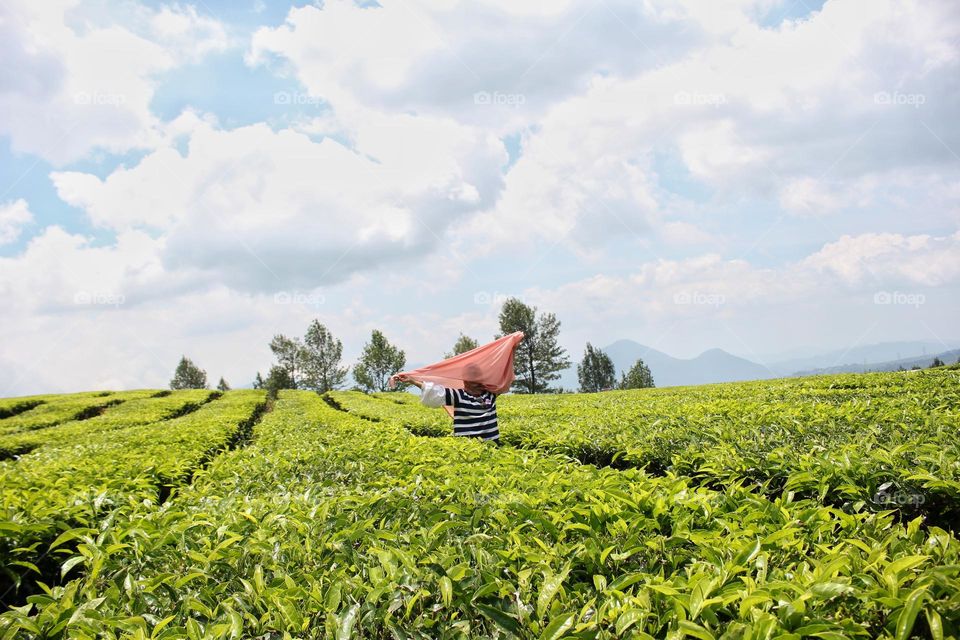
(462, 345)
(378, 362)
(278, 378)
(258, 381)
(538, 358)
(937, 362)
(596, 371)
(223, 386)
(188, 376)
(320, 360)
(289, 353)
(639, 377)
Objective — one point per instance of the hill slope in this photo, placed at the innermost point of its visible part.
(715, 365)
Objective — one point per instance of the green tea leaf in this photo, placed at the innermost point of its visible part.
(557, 627)
(908, 615)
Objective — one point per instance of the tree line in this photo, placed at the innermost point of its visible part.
(314, 361)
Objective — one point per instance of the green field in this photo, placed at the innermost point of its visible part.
(824, 507)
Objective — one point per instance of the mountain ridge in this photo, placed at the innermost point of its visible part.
(717, 365)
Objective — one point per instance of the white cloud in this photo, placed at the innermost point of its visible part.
(685, 306)
(138, 346)
(789, 111)
(680, 305)
(188, 35)
(494, 62)
(643, 126)
(62, 271)
(13, 217)
(883, 259)
(665, 290)
(715, 153)
(810, 196)
(264, 210)
(75, 82)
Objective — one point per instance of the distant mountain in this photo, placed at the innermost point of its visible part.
(715, 365)
(856, 357)
(947, 357)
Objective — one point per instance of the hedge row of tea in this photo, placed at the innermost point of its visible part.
(329, 525)
(876, 441)
(695, 521)
(28, 431)
(85, 470)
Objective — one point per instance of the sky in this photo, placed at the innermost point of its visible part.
(761, 176)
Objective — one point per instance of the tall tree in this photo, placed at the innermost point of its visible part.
(258, 381)
(188, 376)
(937, 362)
(378, 362)
(321, 359)
(639, 377)
(278, 378)
(222, 385)
(462, 345)
(596, 371)
(289, 354)
(539, 358)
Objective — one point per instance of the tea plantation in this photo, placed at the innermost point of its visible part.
(824, 507)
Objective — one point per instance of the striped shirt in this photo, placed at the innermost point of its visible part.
(474, 416)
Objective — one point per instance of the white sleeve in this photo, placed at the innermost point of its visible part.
(433, 395)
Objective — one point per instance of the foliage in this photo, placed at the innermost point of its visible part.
(595, 371)
(377, 363)
(639, 377)
(65, 489)
(56, 410)
(188, 376)
(309, 363)
(409, 414)
(745, 510)
(462, 345)
(838, 438)
(321, 360)
(288, 371)
(538, 358)
(222, 385)
(128, 408)
(278, 378)
(13, 406)
(331, 526)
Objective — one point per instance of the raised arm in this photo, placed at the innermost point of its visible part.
(416, 383)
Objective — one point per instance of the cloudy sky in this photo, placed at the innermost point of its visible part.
(763, 176)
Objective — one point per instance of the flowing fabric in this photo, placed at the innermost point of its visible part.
(490, 365)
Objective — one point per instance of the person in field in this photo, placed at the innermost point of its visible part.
(474, 408)
(467, 385)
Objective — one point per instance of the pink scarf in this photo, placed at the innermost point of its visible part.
(494, 360)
